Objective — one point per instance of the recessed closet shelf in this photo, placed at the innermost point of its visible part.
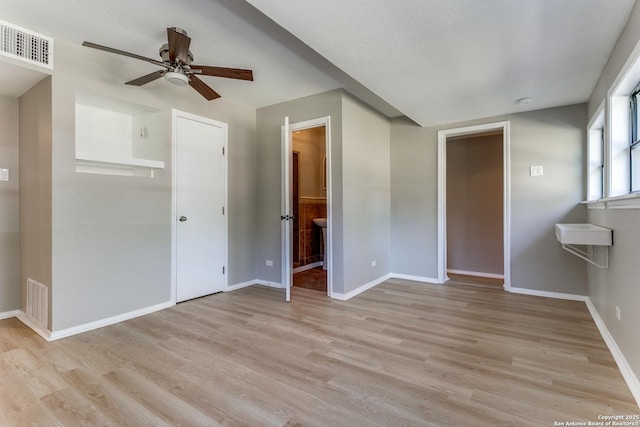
(126, 162)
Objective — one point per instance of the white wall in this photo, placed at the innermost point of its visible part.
(9, 207)
(554, 138)
(112, 234)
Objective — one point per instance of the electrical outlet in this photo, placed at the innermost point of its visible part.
(374, 263)
(536, 170)
(269, 263)
(618, 313)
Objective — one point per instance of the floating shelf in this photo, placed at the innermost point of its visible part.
(87, 163)
(588, 235)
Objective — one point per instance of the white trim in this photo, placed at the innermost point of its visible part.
(442, 188)
(627, 373)
(476, 273)
(361, 289)
(269, 284)
(422, 279)
(52, 336)
(9, 314)
(106, 321)
(547, 294)
(307, 267)
(241, 285)
(174, 199)
(44, 333)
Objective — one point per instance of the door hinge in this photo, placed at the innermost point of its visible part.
(223, 269)
(223, 210)
(223, 151)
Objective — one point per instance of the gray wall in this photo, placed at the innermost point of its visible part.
(618, 285)
(112, 234)
(360, 187)
(554, 138)
(269, 121)
(366, 194)
(475, 232)
(9, 207)
(35, 188)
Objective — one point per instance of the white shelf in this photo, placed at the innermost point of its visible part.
(87, 163)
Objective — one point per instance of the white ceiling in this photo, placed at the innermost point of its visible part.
(436, 61)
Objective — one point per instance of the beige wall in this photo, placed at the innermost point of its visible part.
(35, 187)
(311, 146)
(9, 207)
(475, 204)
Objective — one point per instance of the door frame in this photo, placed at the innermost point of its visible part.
(175, 114)
(308, 124)
(504, 126)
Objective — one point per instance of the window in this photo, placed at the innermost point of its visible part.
(634, 146)
(595, 159)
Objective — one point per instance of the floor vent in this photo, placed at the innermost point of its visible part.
(26, 45)
(38, 303)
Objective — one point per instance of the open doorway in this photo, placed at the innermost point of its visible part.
(307, 249)
(474, 205)
(309, 203)
(474, 197)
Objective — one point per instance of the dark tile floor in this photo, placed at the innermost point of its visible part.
(314, 279)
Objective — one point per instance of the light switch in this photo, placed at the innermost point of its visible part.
(536, 170)
(4, 174)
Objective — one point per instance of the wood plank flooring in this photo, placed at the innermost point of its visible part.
(400, 354)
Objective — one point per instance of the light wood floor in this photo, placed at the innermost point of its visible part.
(400, 354)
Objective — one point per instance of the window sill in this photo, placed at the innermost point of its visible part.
(627, 201)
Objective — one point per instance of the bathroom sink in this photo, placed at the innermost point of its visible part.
(584, 234)
(320, 222)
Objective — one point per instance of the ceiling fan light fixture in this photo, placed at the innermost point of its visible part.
(177, 79)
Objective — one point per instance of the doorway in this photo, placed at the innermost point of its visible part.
(199, 250)
(306, 261)
(474, 205)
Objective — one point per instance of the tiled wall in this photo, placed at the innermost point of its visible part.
(310, 238)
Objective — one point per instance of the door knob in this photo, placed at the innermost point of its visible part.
(182, 218)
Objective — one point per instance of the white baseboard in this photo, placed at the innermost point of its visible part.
(241, 285)
(415, 278)
(547, 294)
(9, 314)
(307, 267)
(476, 274)
(108, 321)
(626, 371)
(269, 284)
(44, 333)
(361, 289)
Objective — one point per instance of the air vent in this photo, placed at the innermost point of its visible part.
(38, 303)
(25, 45)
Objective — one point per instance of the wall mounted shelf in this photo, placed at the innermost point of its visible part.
(588, 235)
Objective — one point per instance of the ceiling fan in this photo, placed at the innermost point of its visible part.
(177, 63)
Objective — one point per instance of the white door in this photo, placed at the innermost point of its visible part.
(286, 217)
(200, 195)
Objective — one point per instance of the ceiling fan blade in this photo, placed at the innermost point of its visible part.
(202, 88)
(230, 73)
(147, 79)
(178, 45)
(123, 53)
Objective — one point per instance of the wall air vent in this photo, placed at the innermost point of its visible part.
(37, 303)
(26, 45)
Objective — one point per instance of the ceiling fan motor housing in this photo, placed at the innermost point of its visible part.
(164, 54)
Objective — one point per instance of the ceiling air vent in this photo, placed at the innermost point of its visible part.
(26, 45)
